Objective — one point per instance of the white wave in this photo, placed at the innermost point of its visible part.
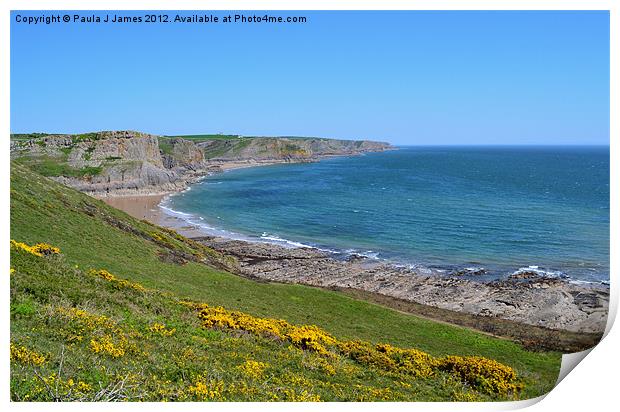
(176, 213)
(283, 242)
(370, 254)
(541, 272)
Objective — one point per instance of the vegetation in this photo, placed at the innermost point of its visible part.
(84, 137)
(291, 149)
(54, 166)
(220, 148)
(164, 145)
(28, 136)
(112, 308)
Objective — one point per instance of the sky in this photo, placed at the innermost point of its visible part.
(410, 78)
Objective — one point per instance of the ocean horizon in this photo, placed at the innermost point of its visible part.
(484, 210)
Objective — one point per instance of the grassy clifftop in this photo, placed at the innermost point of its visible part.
(120, 313)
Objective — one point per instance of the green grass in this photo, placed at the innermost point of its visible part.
(28, 136)
(165, 146)
(93, 235)
(84, 137)
(53, 166)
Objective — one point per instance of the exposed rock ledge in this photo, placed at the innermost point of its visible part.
(543, 302)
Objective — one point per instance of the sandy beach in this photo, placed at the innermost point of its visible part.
(147, 208)
(140, 207)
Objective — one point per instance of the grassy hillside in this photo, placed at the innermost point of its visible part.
(138, 330)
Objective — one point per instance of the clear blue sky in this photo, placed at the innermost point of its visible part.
(405, 77)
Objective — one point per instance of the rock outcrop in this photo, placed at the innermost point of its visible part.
(130, 163)
(540, 301)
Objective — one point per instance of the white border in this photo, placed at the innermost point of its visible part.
(591, 386)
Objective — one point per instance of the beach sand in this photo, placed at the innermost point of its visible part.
(147, 208)
(140, 207)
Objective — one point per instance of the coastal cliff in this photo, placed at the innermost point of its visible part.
(284, 149)
(129, 162)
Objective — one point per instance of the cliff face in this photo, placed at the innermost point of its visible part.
(128, 162)
(121, 162)
(181, 153)
(285, 149)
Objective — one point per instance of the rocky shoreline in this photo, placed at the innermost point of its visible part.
(534, 300)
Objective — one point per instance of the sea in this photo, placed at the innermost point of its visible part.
(480, 211)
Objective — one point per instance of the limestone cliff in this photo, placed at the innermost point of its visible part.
(284, 149)
(129, 162)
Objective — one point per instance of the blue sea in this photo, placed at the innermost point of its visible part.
(497, 208)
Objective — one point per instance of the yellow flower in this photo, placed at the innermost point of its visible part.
(106, 345)
(482, 373)
(26, 356)
(119, 283)
(253, 369)
(203, 389)
(84, 387)
(40, 249)
(308, 337)
(161, 329)
(86, 319)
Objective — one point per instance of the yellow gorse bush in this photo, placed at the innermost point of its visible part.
(118, 283)
(310, 338)
(40, 249)
(82, 321)
(481, 373)
(86, 320)
(107, 345)
(204, 389)
(307, 337)
(253, 369)
(26, 356)
(412, 361)
(107, 338)
(218, 317)
(161, 329)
